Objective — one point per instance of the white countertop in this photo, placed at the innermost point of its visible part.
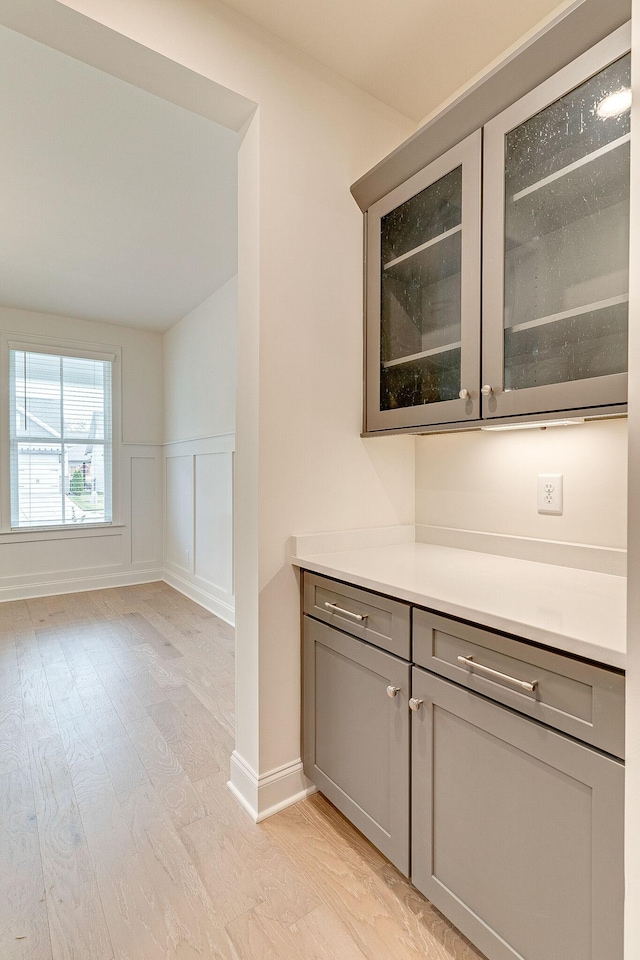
(577, 611)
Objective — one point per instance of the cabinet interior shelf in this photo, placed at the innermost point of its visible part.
(571, 167)
(446, 348)
(567, 314)
(581, 191)
(423, 246)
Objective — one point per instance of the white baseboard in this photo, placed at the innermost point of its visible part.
(213, 604)
(262, 796)
(78, 584)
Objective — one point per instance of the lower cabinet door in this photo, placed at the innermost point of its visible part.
(517, 831)
(356, 734)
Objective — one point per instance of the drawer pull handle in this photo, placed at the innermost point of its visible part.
(415, 704)
(392, 691)
(524, 684)
(334, 608)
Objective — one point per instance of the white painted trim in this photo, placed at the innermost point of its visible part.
(309, 544)
(44, 534)
(227, 440)
(213, 604)
(77, 584)
(264, 795)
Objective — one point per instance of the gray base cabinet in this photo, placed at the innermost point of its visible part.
(483, 766)
(516, 829)
(357, 734)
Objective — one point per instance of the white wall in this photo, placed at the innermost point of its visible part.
(300, 322)
(130, 551)
(200, 367)
(487, 481)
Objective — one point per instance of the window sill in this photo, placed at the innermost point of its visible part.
(34, 534)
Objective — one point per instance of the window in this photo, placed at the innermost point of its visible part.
(60, 436)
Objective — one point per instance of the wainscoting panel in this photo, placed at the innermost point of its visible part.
(213, 550)
(199, 521)
(146, 510)
(44, 563)
(179, 511)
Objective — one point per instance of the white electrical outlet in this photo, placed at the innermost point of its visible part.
(550, 493)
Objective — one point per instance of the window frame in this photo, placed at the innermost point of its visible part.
(59, 347)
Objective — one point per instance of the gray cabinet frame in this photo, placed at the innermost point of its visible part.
(468, 154)
(561, 397)
(452, 828)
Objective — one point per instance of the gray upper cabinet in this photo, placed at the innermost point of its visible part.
(556, 240)
(549, 222)
(423, 295)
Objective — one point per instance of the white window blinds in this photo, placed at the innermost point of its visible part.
(61, 439)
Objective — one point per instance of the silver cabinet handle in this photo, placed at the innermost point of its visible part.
(487, 390)
(334, 608)
(464, 394)
(415, 704)
(392, 691)
(527, 685)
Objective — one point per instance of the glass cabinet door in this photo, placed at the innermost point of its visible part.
(423, 296)
(556, 281)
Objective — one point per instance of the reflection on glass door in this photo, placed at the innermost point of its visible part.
(566, 225)
(420, 339)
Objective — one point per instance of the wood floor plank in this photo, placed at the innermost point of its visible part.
(343, 872)
(24, 924)
(225, 872)
(195, 928)
(78, 740)
(262, 938)
(144, 632)
(146, 688)
(190, 746)
(101, 713)
(319, 935)
(14, 744)
(39, 715)
(133, 914)
(124, 766)
(166, 773)
(122, 695)
(245, 849)
(76, 919)
(181, 869)
(66, 700)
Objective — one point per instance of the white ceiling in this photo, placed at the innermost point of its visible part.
(411, 54)
(115, 205)
(119, 206)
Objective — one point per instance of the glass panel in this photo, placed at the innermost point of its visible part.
(567, 236)
(35, 395)
(421, 243)
(61, 425)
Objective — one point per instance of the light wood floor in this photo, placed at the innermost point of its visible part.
(119, 839)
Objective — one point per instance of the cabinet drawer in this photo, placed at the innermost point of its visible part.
(581, 699)
(356, 734)
(385, 623)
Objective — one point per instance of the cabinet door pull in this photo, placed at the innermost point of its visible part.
(527, 685)
(415, 704)
(392, 691)
(334, 608)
